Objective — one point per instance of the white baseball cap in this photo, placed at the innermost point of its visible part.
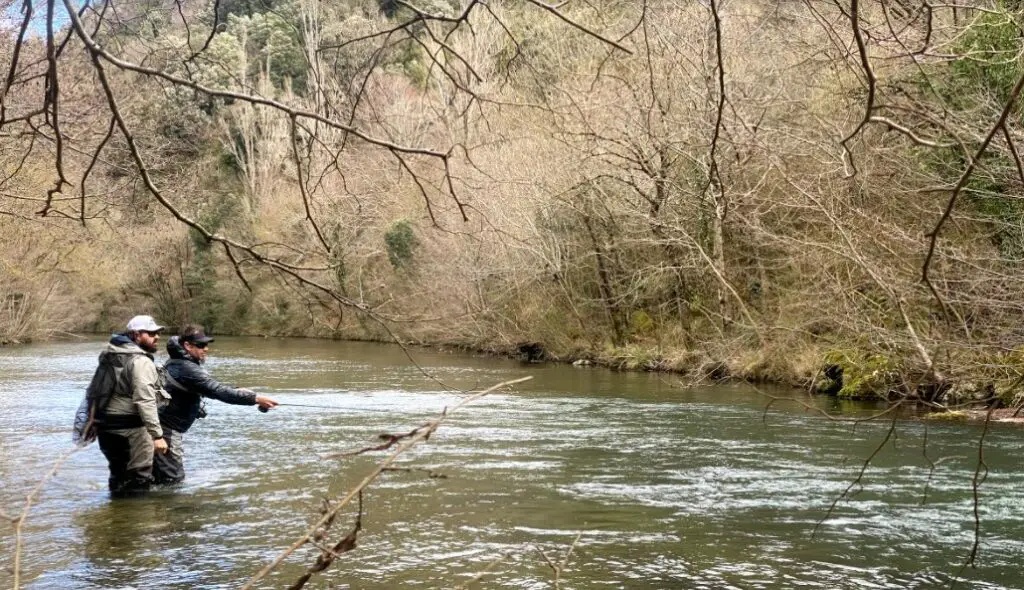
(143, 323)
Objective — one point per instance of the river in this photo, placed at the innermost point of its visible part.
(667, 487)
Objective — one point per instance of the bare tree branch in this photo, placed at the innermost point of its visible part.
(872, 82)
(933, 236)
(860, 475)
(555, 11)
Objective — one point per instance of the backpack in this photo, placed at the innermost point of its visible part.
(97, 396)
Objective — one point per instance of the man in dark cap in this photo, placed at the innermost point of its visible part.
(188, 383)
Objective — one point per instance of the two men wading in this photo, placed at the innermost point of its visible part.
(138, 415)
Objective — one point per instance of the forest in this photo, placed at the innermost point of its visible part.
(812, 192)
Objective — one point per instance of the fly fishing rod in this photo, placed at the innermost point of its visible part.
(265, 410)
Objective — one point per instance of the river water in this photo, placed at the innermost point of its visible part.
(667, 487)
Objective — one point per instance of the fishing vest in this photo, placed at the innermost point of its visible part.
(113, 379)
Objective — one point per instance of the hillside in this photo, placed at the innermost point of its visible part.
(791, 191)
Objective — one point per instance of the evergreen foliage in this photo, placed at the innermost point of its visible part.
(401, 244)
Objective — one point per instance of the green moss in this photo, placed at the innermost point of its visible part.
(864, 376)
(946, 416)
(641, 324)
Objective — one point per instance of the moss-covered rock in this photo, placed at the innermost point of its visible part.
(860, 375)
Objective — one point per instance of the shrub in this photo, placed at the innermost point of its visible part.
(401, 244)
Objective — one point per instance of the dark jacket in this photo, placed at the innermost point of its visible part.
(188, 383)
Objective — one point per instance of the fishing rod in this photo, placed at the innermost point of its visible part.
(265, 410)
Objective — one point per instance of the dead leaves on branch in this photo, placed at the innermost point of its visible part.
(329, 554)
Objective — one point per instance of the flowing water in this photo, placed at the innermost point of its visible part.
(667, 487)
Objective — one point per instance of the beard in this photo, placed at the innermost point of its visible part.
(150, 348)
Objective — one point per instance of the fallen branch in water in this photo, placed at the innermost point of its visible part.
(390, 441)
(415, 437)
(558, 568)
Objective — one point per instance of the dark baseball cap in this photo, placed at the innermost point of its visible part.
(199, 338)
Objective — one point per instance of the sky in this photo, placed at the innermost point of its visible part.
(11, 19)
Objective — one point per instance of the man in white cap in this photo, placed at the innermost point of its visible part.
(124, 395)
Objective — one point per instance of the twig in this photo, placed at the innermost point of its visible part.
(572, 547)
(872, 82)
(390, 440)
(92, 163)
(213, 31)
(15, 55)
(554, 10)
(966, 176)
(980, 474)
(329, 554)
(294, 129)
(909, 133)
(558, 568)
(19, 521)
(482, 572)
(860, 475)
(931, 464)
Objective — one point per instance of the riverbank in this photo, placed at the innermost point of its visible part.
(845, 373)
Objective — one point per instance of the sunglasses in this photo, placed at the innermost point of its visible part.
(154, 334)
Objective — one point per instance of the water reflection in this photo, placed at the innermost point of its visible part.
(121, 539)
